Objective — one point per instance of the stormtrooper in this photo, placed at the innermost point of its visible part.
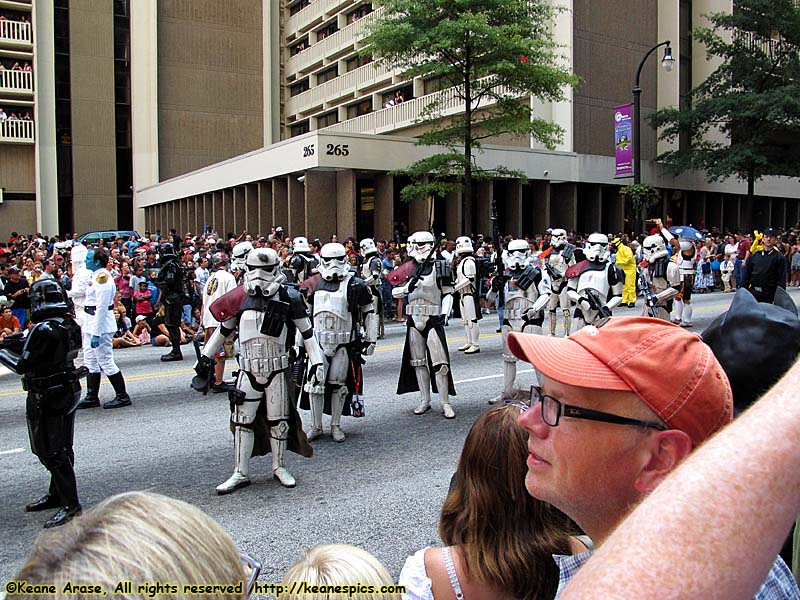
(302, 264)
(99, 327)
(683, 303)
(595, 284)
(238, 259)
(44, 357)
(467, 288)
(370, 272)
(426, 362)
(342, 305)
(265, 313)
(557, 259)
(662, 277)
(527, 292)
(170, 282)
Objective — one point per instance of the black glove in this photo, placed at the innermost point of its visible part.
(205, 374)
(651, 300)
(604, 312)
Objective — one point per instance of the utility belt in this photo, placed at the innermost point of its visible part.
(264, 365)
(92, 310)
(53, 383)
(333, 338)
(422, 310)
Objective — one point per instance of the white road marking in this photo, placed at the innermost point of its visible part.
(14, 451)
(496, 376)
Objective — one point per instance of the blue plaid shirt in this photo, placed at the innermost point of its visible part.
(779, 584)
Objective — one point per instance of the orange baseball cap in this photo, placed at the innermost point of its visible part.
(670, 369)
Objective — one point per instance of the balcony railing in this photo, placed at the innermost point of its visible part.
(16, 82)
(17, 32)
(345, 37)
(406, 114)
(19, 131)
(316, 11)
(338, 87)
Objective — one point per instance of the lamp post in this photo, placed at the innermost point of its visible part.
(667, 62)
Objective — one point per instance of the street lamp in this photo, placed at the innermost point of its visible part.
(667, 62)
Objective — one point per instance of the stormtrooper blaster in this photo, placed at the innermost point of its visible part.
(650, 298)
(592, 298)
(204, 369)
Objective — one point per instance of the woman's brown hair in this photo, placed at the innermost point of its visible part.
(507, 537)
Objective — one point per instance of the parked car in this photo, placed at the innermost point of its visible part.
(106, 235)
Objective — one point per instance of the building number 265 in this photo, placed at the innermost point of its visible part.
(337, 150)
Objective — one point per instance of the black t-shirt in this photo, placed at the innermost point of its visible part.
(21, 301)
(767, 269)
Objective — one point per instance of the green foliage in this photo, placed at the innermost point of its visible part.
(640, 196)
(489, 53)
(753, 97)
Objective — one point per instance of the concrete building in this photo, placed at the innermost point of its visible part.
(254, 113)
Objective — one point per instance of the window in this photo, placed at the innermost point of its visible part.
(359, 13)
(299, 129)
(330, 119)
(436, 84)
(358, 61)
(327, 74)
(362, 108)
(298, 88)
(296, 8)
(327, 30)
(298, 46)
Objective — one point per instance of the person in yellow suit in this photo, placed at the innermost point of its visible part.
(627, 263)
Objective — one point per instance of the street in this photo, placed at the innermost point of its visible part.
(381, 489)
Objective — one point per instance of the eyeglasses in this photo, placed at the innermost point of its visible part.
(255, 569)
(553, 410)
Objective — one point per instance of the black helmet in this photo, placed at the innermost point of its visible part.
(48, 299)
(167, 252)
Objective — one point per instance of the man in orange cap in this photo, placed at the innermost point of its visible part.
(622, 403)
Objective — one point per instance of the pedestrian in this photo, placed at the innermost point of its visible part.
(766, 269)
(726, 271)
(621, 384)
(16, 290)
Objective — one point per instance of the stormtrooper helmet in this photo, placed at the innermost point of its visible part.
(333, 264)
(686, 245)
(596, 248)
(240, 253)
(518, 255)
(559, 238)
(654, 248)
(420, 245)
(263, 275)
(300, 246)
(368, 247)
(464, 245)
(77, 255)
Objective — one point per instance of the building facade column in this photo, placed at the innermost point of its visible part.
(346, 190)
(321, 203)
(384, 206)
(296, 223)
(280, 204)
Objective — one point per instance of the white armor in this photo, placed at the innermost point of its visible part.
(429, 295)
(685, 263)
(558, 260)
(301, 264)
(240, 252)
(334, 329)
(264, 360)
(371, 270)
(527, 292)
(99, 321)
(81, 277)
(662, 275)
(466, 286)
(599, 284)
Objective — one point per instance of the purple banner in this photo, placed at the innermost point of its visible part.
(623, 140)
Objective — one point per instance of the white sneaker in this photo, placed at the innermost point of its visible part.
(422, 408)
(464, 347)
(235, 482)
(337, 434)
(448, 411)
(284, 477)
(686, 324)
(314, 433)
(473, 349)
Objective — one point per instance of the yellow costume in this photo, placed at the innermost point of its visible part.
(757, 244)
(627, 263)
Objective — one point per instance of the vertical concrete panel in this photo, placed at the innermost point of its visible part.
(792, 212)
(483, 208)
(419, 215)
(513, 224)
(217, 221)
(384, 205)
(239, 210)
(251, 195)
(455, 216)
(227, 212)
(345, 188)
(320, 216)
(265, 203)
(565, 206)
(280, 204)
(540, 200)
(590, 208)
(208, 211)
(296, 224)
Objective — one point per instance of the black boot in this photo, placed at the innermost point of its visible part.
(91, 400)
(62, 479)
(122, 398)
(175, 339)
(44, 503)
(63, 516)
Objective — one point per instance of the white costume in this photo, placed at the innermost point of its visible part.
(342, 304)
(302, 264)
(560, 257)
(726, 270)
(527, 292)
(239, 257)
(683, 305)
(662, 278)
(81, 277)
(595, 285)
(426, 362)
(371, 270)
(467, 288)
(264, 312)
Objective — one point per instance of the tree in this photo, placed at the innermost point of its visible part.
(487, 54)
(753, 97)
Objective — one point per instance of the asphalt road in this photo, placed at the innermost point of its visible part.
(381, 489)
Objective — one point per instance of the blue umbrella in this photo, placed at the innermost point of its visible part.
(687, 232)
